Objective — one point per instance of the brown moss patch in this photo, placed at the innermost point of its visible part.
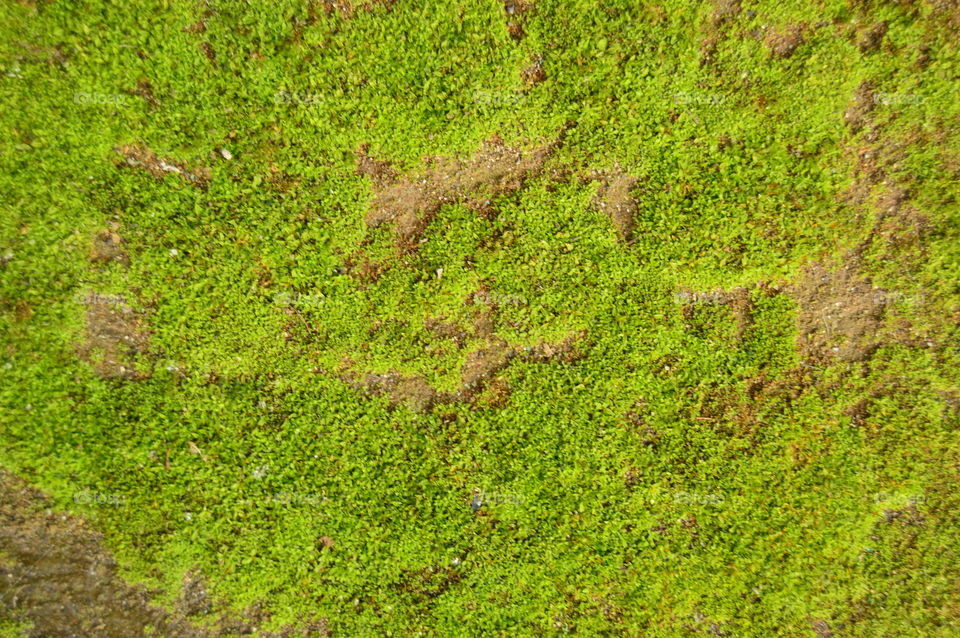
(344, 8)
(139, 156)
(209, 53)
(145, 90)
(362, 269)
(115, 338)
(708, 49)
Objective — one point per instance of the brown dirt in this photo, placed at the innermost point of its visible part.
(534, 73)
(724, 11)
(194, 599)
(781, 42)
(209, 53)
(413, 392)
(145, 90)
(484, 324)
(115, 338)
(57, 575)
(199, 26)
(615, 198)
(440, 327)
(863, 102)
(482, 364)
(570, 350)
(739, 300)
(840, 313)
(33, 54)
(872, 38)
(411, 202)
(381, 173)
(515, 10)
(479, 384)
(107, 248)
(140, 156)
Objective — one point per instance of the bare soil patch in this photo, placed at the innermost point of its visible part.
(871, 38)
(107, 248)
(479, 383)
(139, 156)
(840, 313)
(194, 599)
(482, 364)
(381, 173)
(115, 338)
(781, 42)
(413, 392)
(411, 202)
(863, 102)
(515, 10)
(441, 328)
(739, 300)
(56, 573)
(615, 198)
(724, 11)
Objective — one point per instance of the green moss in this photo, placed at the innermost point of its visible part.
(756, 513)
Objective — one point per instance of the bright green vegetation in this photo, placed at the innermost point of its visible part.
(13, 629)
(757, 512)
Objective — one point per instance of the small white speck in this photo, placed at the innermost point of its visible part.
(173, 252)
(188, 516)
(225, 154)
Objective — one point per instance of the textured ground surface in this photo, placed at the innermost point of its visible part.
(404, 318)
